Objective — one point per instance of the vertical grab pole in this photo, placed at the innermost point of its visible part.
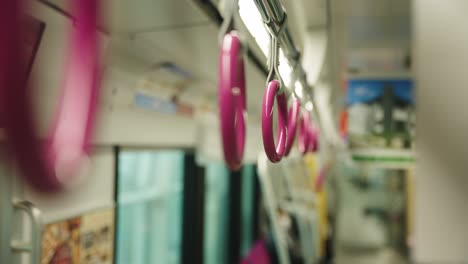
(34, 245)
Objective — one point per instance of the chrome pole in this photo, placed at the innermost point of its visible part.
(6, 211)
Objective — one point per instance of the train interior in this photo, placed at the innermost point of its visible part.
(233, 131)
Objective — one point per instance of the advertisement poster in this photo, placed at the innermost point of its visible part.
(380, 113)
(163, 88)
(86, 239)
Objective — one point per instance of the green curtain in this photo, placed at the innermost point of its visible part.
(216, 214)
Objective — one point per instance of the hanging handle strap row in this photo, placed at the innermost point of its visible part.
(51, 164)
(308, 134)
(232, 99)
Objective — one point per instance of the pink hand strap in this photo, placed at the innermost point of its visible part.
(232, 100)
(274, 153)
(320, 179)
(49, 165)
(293, 116)
(304, 136)
(313, 135)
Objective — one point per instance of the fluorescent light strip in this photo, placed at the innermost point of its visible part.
(253, 21)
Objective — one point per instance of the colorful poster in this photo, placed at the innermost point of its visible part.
(86, 239)
(380, 113)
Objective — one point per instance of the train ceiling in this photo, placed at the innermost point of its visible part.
(161, 31)
(179, 32)
(154, 32)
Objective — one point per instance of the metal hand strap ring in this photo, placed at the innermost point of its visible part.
(50, 165)
(232, 100)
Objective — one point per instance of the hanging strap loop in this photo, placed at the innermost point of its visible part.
(232, 100)
(293, 116)
(52, 164)
(308, 134)
(274, 89)
(313, 138)
(274, 152)
(231, 89)
(304, 136)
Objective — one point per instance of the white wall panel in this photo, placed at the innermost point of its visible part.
(441, 177)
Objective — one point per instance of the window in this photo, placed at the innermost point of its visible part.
(149, 204)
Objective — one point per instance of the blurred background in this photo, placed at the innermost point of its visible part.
(386, 89)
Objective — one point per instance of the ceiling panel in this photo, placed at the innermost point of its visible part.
(378, 31)
(193, 49)
(370, 23)
(147, 15)
(196, 50)
(375, 8)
